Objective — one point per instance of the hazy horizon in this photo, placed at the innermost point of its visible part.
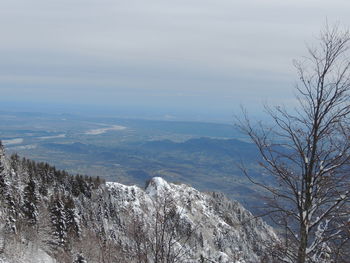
(191, 59)
(100, 111)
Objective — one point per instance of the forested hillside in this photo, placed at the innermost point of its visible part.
(47, 215)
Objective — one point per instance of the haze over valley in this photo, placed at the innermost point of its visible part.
(188, 131)
(132, 151)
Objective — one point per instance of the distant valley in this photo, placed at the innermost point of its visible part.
(204, 155)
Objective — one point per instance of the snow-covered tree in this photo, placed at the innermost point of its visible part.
(164, 239)
(12, 211)
(2, 171)
(30, 209)
(58, 220)
(71, 217)
(80, 259)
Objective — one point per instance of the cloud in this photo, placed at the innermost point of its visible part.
(124, 50)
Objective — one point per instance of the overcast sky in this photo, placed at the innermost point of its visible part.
(203, 56)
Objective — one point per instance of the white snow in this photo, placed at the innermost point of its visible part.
(27, 254)
(196, 209)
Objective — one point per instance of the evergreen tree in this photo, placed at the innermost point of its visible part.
(2, 171)
(30, 201)
(14, 161)
(58, 220)
(80, 259)
(8, 192)
(97, 182)
(12, 212)
(72, 219)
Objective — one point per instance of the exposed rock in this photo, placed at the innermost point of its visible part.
(84, 219)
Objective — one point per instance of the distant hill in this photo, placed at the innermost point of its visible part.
(206, 163)
(224, 147)
(204, 155)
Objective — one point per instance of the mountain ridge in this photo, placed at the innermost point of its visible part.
(47, 214)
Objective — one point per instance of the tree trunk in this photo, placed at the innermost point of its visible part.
(303, 244)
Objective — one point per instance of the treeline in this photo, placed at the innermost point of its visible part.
(48, 215)
(37, 204)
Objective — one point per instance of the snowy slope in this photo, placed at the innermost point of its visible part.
(229, 232)
(48, 216)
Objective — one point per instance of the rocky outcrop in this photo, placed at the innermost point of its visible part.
(49, 216)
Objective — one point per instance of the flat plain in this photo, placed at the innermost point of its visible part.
(131, 151)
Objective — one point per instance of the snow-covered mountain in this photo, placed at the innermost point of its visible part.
(47, 215)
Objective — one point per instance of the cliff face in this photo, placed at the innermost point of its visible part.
(47, 215)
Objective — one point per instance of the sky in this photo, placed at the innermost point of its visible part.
(196, 59)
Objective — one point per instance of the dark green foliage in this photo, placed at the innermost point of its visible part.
(58, 220)
(2, 178)
(30, 201)
(13, 213)
(2, 184)
(96, 182)
(64, 219)
(81, 185)
(72, 221)
(80, 259)
(43, 190)
(28, 189)
(14, 162)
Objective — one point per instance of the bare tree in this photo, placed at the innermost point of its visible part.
(307, 151)
(165, 239)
